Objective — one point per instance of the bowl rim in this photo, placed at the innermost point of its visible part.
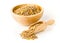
(28, 15)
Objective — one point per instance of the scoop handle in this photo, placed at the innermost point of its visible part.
(50, 22)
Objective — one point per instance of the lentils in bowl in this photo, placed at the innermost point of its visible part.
(27, 10)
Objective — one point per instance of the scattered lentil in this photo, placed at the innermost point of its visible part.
(29, 34)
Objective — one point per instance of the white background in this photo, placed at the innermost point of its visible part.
(10, 29)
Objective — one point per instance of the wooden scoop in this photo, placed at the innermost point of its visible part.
(43, 25)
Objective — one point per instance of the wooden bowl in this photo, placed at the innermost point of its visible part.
(27, 20)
